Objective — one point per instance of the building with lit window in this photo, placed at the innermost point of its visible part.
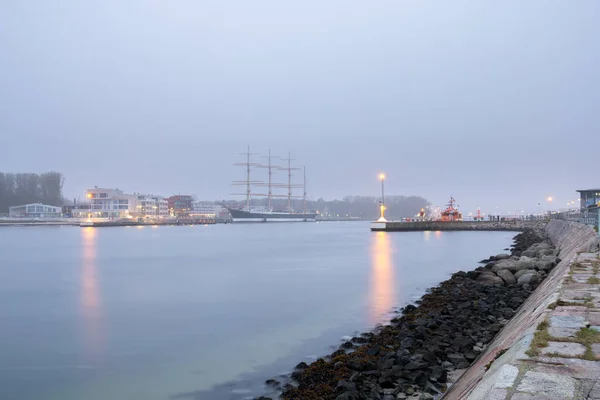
(109, 203)
(153, 206)
(209, 209)
(589, 198)
(35, 210)
(180, 205)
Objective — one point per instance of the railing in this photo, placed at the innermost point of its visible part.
(588, 217)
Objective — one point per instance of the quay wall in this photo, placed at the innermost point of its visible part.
(398, 226)
(514, 339)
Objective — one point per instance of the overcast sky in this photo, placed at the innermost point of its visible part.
(495, 102)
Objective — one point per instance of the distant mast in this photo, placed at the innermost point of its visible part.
(270, 167)
(248, 183)
(304, 195)
(289, 184)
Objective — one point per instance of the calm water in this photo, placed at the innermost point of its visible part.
(203, 312)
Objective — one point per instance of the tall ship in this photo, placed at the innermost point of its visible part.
(249, 213)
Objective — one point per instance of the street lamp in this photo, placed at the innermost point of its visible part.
(89, 196)
(382, 206)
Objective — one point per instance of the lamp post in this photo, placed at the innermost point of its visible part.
(382, 206)
(89, 196)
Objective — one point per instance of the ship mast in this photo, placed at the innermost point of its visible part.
(247, 182)
(289, 184)
(304, 195)
(270, 186)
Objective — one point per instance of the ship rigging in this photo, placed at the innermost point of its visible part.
(250, 214)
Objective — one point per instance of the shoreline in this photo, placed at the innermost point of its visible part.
(415, 354)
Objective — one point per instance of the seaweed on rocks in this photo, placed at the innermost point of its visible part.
(448, 330)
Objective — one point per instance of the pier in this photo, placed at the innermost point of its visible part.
(401, 226)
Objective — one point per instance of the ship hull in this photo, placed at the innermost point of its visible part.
(256, 216)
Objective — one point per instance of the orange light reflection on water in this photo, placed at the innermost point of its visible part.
(382, 291)
(90, 298)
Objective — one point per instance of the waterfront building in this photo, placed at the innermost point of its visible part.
(589, 198)
(152, 206)
(180, 205)
(34, 210)
(109, 203)
(209, 209)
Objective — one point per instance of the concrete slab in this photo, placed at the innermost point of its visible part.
(567, 321)
(544, 384)
(497, 394)
(506, 376)
(496, 383)
(563, 332)
(594, 318)
(574, 367)
(570, 309)
(564, 349)
(596, 349)
(527, 396)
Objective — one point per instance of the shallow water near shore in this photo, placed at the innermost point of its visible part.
(202, 312)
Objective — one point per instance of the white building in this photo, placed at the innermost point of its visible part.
(110, 203)
(35, 210)
(208, 209)
(153, 206)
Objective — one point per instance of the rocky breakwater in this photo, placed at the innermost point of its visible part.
(451, 325)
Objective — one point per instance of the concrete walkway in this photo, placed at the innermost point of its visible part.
(560, 358)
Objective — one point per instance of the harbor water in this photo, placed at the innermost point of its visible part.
(201, 312)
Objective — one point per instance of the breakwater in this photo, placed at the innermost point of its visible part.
(399, 226)
(493, 373)
(448, 329)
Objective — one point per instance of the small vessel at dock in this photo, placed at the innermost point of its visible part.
(451, 212)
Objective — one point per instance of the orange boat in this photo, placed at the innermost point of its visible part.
(451, 213)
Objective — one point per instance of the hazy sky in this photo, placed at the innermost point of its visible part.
(496, 102)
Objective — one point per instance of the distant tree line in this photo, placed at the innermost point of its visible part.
(364, 207)
(25, 188)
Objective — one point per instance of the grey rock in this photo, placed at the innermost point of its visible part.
(348, 396)
(544, 265)
(502, 256)
(556, 252)
(401, 396)
(550, 258)
(529, 253)
(509, 265)
(456, 358)
(545, 252)
(525, 263)
(520, 273)
(490, 279)
(529, 278)
(507, 277)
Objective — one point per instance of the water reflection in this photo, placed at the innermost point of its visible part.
(382, 293)
(90, 298)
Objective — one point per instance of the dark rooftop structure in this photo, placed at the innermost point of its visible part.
(590, 198)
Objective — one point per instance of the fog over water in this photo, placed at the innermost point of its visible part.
(492, 102)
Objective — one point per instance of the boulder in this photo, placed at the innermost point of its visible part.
(545, 252)
(525, 263)
(554, 259)
(490, 279)
(543, 246)
(529, 253)
(509, 265)
(531, 277)
(502, 256)
(544, 265)
(520, 273)
(507, 277)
